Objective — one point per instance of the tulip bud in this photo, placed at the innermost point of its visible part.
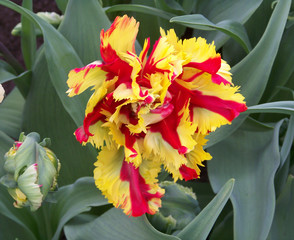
(50, 17)
(1, 93)
(31, 171)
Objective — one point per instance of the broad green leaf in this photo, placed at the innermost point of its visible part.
(61, 58)
(251, 156)
(284, 107)
(140, 8)
(114, 224)
(282, 227)
(72, 200)
(232, 28)
(11, 114)
(28, 37)
(17, 232)
(83, 32)
(252, 73)
(45, 114)
(201, 226)
(282, 68)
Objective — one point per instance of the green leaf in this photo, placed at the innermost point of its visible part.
(251, 156)
(83, 32)
(5, 75)
(72, 200)
(201, 226)
(114, 224)
(284, 107)
(140, 8)
(232, 28)
(22, 217)
(282, 227)
(282, 68)
(252, 73)
(11, 114)
(17, 232)
(28, 37)
(217, 11)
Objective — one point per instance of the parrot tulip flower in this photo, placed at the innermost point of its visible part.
(151, 110)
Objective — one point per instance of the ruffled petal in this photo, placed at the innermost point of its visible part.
(120, 38)
(211, 105)
(79, 79)
(135, 190)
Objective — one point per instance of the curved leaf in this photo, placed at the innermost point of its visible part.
(141, 9)
(284, 107)
(73, 200)
(251, 156)
(282, 227)
(217, 11)
(114, 224)
(11, 114)
(232, 28)
(201, 226)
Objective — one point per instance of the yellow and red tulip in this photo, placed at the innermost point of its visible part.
(151, 111)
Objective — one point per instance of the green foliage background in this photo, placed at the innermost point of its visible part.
(252, 161)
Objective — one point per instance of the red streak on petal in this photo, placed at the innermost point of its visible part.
(227, 108)
(129, 140)
(88, 67)
(168, 126)
(219, 79)
(211, 65)
(138, 190)
(188, 173)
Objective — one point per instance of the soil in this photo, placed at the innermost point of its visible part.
(8, 19)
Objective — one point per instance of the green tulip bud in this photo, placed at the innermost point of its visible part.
(31, 171)
(50, 17)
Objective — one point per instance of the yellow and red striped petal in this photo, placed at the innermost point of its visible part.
(120, 38)
(135, 190)
(79, 79)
